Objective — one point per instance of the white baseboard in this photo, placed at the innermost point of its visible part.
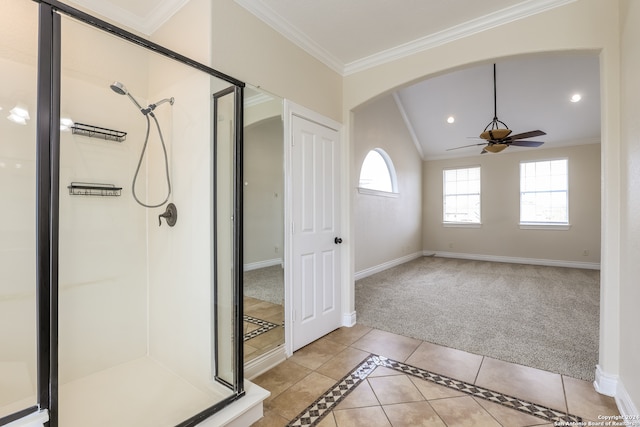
(516, 260)
(625, 404)
(606, 384)
(349, 319)
(262, 264)
(263, 363)
(386, 265)
(476, 257)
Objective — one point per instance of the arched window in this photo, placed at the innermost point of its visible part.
(377, 172)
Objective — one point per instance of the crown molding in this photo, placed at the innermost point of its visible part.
(257, 99)
(160, 14)
(145, 25)
(527, 8)
(492, 20)
(291, 33)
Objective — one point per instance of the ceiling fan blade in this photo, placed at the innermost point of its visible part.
(524, 135)
(465, 146)
(526, 143)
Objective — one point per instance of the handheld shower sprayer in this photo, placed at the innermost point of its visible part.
(147, 112)
(121, 89)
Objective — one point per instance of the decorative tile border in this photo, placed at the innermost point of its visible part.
(328, 401)
(325, 403)
(265, 326)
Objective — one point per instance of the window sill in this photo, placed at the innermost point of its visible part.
(371, 192)
(544, 226)
(462, 224)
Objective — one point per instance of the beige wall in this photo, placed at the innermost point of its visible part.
(251, 51)
(630, 206)
(263, 193)
(386, 228)
(500, 234)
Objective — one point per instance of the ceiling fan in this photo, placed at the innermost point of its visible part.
(497, 138)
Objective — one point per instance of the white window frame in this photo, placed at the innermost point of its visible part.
(461, 224)
(545, 225)
(390, 170)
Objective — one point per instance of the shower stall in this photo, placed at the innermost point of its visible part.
(120, 226)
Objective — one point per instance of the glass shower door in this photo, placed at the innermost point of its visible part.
(228, 211)
(18, 170)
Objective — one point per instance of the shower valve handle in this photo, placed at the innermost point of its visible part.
(170, 215)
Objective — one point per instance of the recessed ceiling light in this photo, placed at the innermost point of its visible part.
(576, 97)
(451, 119)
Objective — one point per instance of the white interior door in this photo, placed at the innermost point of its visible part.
(316, 239)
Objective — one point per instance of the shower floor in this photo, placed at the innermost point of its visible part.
(139, 393)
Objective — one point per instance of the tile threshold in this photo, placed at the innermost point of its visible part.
(322, 406)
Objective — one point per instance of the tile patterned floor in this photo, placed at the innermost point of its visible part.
(263, 327)
(365, 377)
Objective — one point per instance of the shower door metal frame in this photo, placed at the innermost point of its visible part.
(237, 93)
(47, 203)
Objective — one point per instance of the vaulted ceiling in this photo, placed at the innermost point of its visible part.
(533, 92)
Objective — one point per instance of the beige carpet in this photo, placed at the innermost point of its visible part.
(266, 284)
(542, 317)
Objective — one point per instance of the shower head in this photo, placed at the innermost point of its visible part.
(119, 88)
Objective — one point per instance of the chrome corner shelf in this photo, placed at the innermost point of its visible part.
(98, 132)
(92, 189)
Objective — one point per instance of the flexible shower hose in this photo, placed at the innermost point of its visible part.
(166, 163)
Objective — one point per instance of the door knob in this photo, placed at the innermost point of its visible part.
(337, 240)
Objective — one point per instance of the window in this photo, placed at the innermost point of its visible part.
(461, 190)
(544, 192)
(377, 173)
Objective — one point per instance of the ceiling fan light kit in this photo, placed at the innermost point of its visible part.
(500, 138)
(495, 148)
(495, 134)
